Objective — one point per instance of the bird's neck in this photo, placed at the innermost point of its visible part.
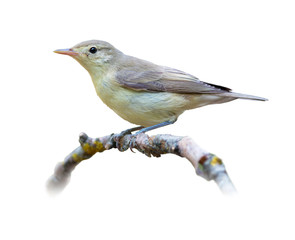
(97, 72)
(100, 78)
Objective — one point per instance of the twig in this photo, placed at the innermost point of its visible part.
(207, 165)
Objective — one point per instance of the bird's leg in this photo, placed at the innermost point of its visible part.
(146, 129)
(162, 124)
(130, 130)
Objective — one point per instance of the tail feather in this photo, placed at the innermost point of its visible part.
(242, 96)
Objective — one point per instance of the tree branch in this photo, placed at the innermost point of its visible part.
(207, 165)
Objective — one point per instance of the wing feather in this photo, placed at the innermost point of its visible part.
(163, 79)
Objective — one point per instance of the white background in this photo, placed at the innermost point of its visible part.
(48, 99)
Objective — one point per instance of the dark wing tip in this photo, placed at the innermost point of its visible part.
(219, 87)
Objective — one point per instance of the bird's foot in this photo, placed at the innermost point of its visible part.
(122, 143)
(132, 141)
(139, 140)
(144, 144)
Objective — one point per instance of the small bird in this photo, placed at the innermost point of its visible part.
(142, 92)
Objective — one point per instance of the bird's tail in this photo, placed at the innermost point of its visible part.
(242, 96)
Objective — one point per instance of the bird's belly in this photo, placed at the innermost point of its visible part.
(143, 108)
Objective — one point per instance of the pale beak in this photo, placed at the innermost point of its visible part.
(69, 52)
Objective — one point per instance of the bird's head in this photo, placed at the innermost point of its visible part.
(92, 54)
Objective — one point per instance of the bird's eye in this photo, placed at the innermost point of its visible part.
(93, 50)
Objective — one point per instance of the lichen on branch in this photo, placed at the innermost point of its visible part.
(207, 165)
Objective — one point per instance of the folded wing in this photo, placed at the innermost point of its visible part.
(164, 79)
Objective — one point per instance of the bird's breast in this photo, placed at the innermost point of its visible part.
(139, 107)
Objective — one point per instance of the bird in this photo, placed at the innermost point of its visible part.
(144, 93)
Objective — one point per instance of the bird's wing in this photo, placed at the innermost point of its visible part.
(164, 79)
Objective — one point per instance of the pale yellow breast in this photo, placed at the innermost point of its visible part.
(138, 107)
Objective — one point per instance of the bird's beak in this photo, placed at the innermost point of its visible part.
(69, 52)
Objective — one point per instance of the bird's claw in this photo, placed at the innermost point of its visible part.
(143, 144)
(139, 140)
(132, 142)
(120, 140)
